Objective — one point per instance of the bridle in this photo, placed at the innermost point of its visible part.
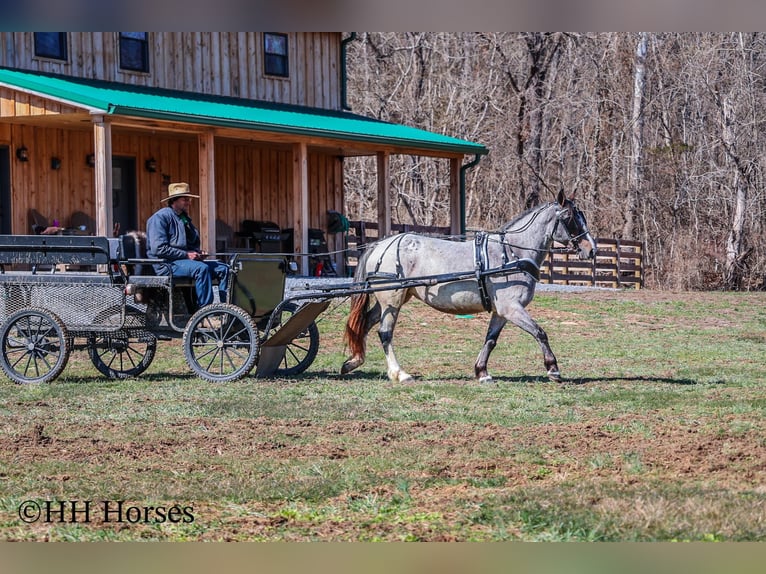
(573, 222)
(569, 217)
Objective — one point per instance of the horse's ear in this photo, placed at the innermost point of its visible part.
(561, 198)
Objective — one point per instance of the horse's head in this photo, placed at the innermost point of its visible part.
(571, 228)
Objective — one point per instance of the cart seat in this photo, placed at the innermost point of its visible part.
(139, 268)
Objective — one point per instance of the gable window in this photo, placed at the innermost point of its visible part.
(134, 51)
(51, 45)
(275, 55)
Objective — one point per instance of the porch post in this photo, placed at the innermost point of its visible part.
(207, 214)
(301, 205)
(384, 195)
(102, 142)
(455, 207)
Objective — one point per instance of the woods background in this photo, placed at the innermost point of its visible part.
(660, 135)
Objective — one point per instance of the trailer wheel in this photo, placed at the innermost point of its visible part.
(33, 346)
(221, 343)
(302, 350)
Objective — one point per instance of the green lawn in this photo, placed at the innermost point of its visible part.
(657, 434)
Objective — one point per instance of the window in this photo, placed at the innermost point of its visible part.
(275, 55)
(134, 51)
(51, 45)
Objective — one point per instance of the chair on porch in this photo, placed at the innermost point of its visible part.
(37, 222)
(223, 236)
(82, 222)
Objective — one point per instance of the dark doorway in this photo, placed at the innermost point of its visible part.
(5, 190)
(124, 203)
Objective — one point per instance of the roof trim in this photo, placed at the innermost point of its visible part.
(111, 98)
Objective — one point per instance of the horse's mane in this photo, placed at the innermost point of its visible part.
(527, 213)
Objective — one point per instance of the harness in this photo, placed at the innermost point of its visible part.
(481, 270)
(481, 266)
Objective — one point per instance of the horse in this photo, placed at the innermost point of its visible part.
(496, 272)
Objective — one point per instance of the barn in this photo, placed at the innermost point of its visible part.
(94, 125)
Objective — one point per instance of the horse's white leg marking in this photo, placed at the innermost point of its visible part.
(496, 324)
(386, 334)
(521, 318)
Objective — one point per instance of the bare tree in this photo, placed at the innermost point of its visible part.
(661, 134)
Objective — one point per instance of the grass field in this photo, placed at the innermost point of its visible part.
(658, 434)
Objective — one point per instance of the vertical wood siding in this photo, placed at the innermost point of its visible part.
(216, 63)
(252, 182)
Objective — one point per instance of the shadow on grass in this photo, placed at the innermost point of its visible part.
(375, 374)
(380, 376)
(148, 377)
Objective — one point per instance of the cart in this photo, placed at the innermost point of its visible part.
(64, 293)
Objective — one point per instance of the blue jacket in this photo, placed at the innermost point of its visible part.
(166, 237)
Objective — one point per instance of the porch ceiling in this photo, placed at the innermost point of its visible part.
(151, 108)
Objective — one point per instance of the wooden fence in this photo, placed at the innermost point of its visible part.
(619, 263)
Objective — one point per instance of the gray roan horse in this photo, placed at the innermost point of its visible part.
(497, 272)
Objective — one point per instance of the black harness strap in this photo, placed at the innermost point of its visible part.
(529, 267)
(480, 265)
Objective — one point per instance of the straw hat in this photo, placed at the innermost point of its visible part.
(178, 190)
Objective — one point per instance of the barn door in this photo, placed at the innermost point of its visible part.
(124, 204)
(5, 191)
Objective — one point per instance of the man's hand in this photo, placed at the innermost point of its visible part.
(196, 255)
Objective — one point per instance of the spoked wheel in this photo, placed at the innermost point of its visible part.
(33, 346)
(302, 350)
(122, 354)
(221, 343)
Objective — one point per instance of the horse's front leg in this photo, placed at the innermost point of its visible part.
(496, 324)
(386, 334)
(521, 318)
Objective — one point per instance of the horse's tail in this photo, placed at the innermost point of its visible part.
(355, 325)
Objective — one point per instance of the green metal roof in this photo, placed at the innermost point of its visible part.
(111, 98)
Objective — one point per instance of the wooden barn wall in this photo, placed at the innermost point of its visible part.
(252, 182)
(217, 63)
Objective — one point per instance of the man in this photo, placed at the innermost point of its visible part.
(171, 236)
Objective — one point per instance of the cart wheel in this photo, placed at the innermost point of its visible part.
(33, 346)
(127, 352)
(302, 350)
(122, 354)
(221, 342)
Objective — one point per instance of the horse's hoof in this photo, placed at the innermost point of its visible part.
(405, 379)
(348, 366)
(554, 376)
(486, 379)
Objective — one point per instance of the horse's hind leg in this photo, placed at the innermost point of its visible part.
(496, 324)
(521, 318)
(388, 320)
(371, 317)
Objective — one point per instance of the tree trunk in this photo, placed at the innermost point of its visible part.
(637, 124)
(735, 240)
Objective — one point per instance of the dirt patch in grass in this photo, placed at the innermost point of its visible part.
(460, 467)
(662, 439)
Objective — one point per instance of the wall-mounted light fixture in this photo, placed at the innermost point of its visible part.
(151, 165)
(90, 160)
(22, 153)
(55, 163)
